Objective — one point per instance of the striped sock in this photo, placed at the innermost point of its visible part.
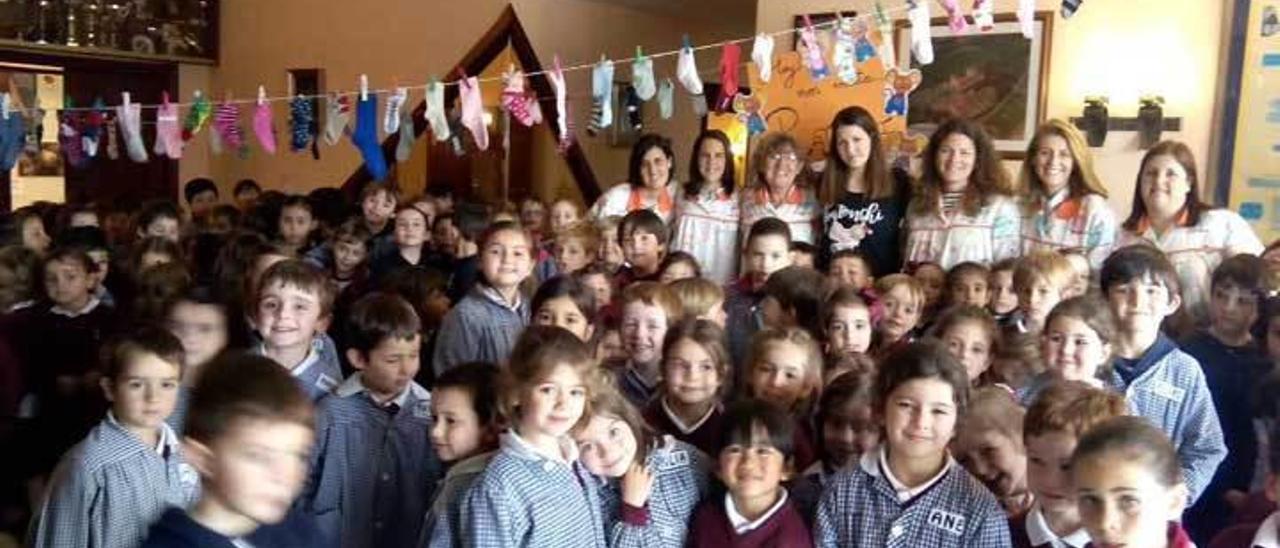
(1069, 7)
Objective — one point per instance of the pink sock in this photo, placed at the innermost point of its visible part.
(955, 17)
(473, 111)
(728, 76)
(264, 128)
(556, 76)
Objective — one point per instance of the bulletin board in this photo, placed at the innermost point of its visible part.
(1255, 177)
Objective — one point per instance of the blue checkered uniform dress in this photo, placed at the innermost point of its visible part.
(680, 481)
(444, 519)
(320, 371)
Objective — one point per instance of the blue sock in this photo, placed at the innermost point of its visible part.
(366, 137)
(13, 136)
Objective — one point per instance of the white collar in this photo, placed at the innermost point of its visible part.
(678, 423)
(741, 524)
(494, 295)
(313, 356)
(873, 462)
(512, 440)
(93, 303)
(355, 385)
(1057, 198)
(1039, 533)
(166, 439)
(1267, 536)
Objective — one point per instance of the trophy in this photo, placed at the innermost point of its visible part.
(72, 6)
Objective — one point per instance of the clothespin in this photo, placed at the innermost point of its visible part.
(262, 95)
(5, 104)
(882, 19)
(364, 87)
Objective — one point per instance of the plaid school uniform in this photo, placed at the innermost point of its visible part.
(108, 489)
(861, 507)
(481, 327)
(443, 520)
(680, 482)
(1167, 387)
(525, 498)
(374, 467)
(320, 371)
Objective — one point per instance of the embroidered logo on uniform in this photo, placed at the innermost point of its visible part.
(1168, 391)
(947, 521)
(326, 382)
(422, 409)
(675, 459)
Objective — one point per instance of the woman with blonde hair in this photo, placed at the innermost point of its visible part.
(777, 188)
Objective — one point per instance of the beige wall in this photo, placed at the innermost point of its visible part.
(1120, 49)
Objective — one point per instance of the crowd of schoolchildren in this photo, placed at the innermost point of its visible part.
(850, 356)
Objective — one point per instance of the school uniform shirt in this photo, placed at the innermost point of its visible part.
(799, 209)
(706, 226)
(176, 529)
(703, 433)
(742, 320)
(1030, 530)
(806, 490)
(1066, 222)
(1166, 387)
(374, 466)
(872, 227)
(526, 498)
(990, 235)
(444, 519)
(1027, 394)
(177, 420)
(108, 490)
(681, 475)
(631, 384)
(319, 372)
(718, 523)
(623, 198)
(867, 506)
(1196, 251)
(481, 327)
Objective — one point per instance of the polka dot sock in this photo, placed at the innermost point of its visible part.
(302, 124)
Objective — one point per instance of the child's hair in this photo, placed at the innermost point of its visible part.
(1095, 313)
(147, 339)
(1003, 265)
(480, 381)
(300, 274)
(766, 339)
(566, 286)
(156, 246)
(742, 419)
(697, 296)
(583, 231)
(967, 313)
(963, 270)
(354, 231)
(374, 188)
(539, 350)
(242, 387)
(69, 254)
(1245, 272)
(1136, 262)
(922, 360)
(852, 254)
(610, 227)
(769, 226)
(377, 317)
(500, 227)
(708, 336)
(472, 221)
(608, 402)
(157, 285)
(799, 290)
(21, 262)
(1071, 407)
(643, 221)
(226, 212)
(207, 295)
(653, 294)
(88, 238)
(889, 283)
(155, 210)
(853, 386)
(1023, 348)
(681, 257)
(804, 248)
(993, 408)
(246, 185)
(197, 186)
(417, 286)
(1046, 265)
(1136, 440)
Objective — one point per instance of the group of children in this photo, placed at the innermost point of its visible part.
(285, 372)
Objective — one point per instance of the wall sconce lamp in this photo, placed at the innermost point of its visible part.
(1095, 120)
(1150, 120)
(1150, 123)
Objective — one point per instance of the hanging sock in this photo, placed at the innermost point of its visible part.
(601, 96)
(366, 136)
(1027, 18)
(337, 117)
(519, 102)
(69, 140)
(556, 77)
(264, 126)
(955, 17)
(631, 100)
(842, 53)
(729, 56)
(302, 121)
(391, 118)
(35, 131)
(197, 117)
(1069, 7)
(666, 99)
(642, 77)
(473, 111)
(983, 15)
(111, 134)
(215, 143)
(762, 56)
(13, 136)
(435, 113)
(813, 52)
(91, 130)
(226, 120)
(404, 148)
(921, 36)
(687, 71)
(168, 132)
(130, 116)
(885, 26)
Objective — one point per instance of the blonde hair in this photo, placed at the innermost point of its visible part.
(583, 231)
(768, 339)
(992, 408)
(696, 296)
(1043, 265)
(654, 294)
(608, 227)
(889, 283)
(1083, 180)
(536, 354)
(1071, 407)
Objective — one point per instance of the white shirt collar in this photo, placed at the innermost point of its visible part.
(355, 385)
(1038, 532)
(679, 424)
(313, 356)
(166, 439)
(568, 449)
(740, 523)
(1267, 536)
(492, 294)
(88, 307)
(873, 462)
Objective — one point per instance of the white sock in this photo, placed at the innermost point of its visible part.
(602, 93)
(642, 78)
(921, 36)
(842, 55)
(762, 56)
(687, 72)
(1027, 18)
(130, 116)
(404, 148)
(556, 77)
(666, 99)
(435, 113)
(391, 118)
(983, 16)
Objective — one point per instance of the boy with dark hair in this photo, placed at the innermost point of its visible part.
(374, 467)
(201, 194)
(803, 254)
(292, 307)
(767, 251)
(643, 238)
(793, 298)
(161, 219)
(246, 194)
(93, 241)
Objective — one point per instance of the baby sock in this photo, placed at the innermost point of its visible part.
(955, 17)
(366, 136)
(112, 136)
(983, 16)
(391, 118)
(601, 96)
(69, 139)
(813, 52)
(130, 116)
(729, 56)
(556, 77)
(226, 119)
(473, 111)
(301, 123)
(762, 56)
(168, 133)
(521, 104)
(336, 118)
(264, 127)
(197, 117)
(91, 130)
(842, 53)
(666, 98)
(13, 131)
(435, 113)
(1069, 7)
(687, 71)
(885, 25)
(35, 131)
(921, 36)
(404, 148)
(642, 78)
(1027, 18)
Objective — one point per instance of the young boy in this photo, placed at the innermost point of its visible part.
(575, 247)
(202, 322)
(793, 298)
(767, 251)
(372, 434)
(803, 254)
(249, 435)
(160, 219)
(1161, 382)
(1232, 364)
(246, 194)
(643, 237)
(109, 488)
(201, 194)
(350, 244)
(648, 310)
(93, 241)
(291, 311)
(1040, 281)
(849, 268)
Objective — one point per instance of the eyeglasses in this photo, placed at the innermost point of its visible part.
(783, 157)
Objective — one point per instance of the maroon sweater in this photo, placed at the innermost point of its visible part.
(706, 437)
(711, 529)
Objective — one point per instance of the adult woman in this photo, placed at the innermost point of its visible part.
(865, 201)
(707, 212)
(1168, 214)
(965, 210)
(776, 189)
(1067, 207)
(649, 182)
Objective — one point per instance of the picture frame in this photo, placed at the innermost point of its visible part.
(997, 78)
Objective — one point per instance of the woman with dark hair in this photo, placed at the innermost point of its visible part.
(1168, 214)
(778, 188)
(965, 209)
(707, 213)
(1066, 205)
(864, 199)
(649, 185)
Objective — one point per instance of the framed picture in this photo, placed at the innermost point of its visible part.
(997, 78)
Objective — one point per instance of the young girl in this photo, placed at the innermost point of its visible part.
(1004, 300)
(464, 433)
(535, 492)
(1129, 486)
(971, 336)
(702, 299)
(777, 188)
(933, 280)
(966, 283)
(565, 302)
(1076, 345)
(483, 326)
(695, 372)
(28, 231)
(755, 457)
(678, 265)
(562, 214)
(648, 309)
(1068, 202)
(785, 369)
(847, 320)
(847, 430)
(989, 445)
(903, 302)
(410, 240)
(965, 210)
(296, 223)
(651, 483)
(599, 280)
(707, 209)
(909, 491)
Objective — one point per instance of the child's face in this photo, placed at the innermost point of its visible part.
(601, 287)
(901, 313)
(563, 214)
(152, 258)
(849, 331)
(780, 374)
(377, 208)
(679, 270)
(456, 432)
(1121, 503)
(971, 345)
(411, 228)
(552, 407)
(1072, 349)
(753, 471)
(607, 446)
(144, 394)
(609, 347)
(245, 199)
(295, 224)
(532, 215)
(970, 289)
(165, 227)
(1003, 299)
(689, 375)
(388, 368)
(288, 316)
(994, 459)
(203, 202)
(102, 262)
(563, 312)
(202, 328)
(643, 328)
(801, 258)
(444, 236)
(773, 316)
(932, 279)
(766, 255)
(1080, 281)
(850, 272)
(256, 468)
(643, 251)
(848, 432)
(1232, 310)
(34, 237)
(920, 418)
(68, 284)
(347, 255)
(506, 259)
(428, 209)
(1037, 300)
(1049, 473)
(1141, 304)
(571, 256)
(609, 252)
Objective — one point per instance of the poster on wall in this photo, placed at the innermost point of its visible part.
(1255, 178)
